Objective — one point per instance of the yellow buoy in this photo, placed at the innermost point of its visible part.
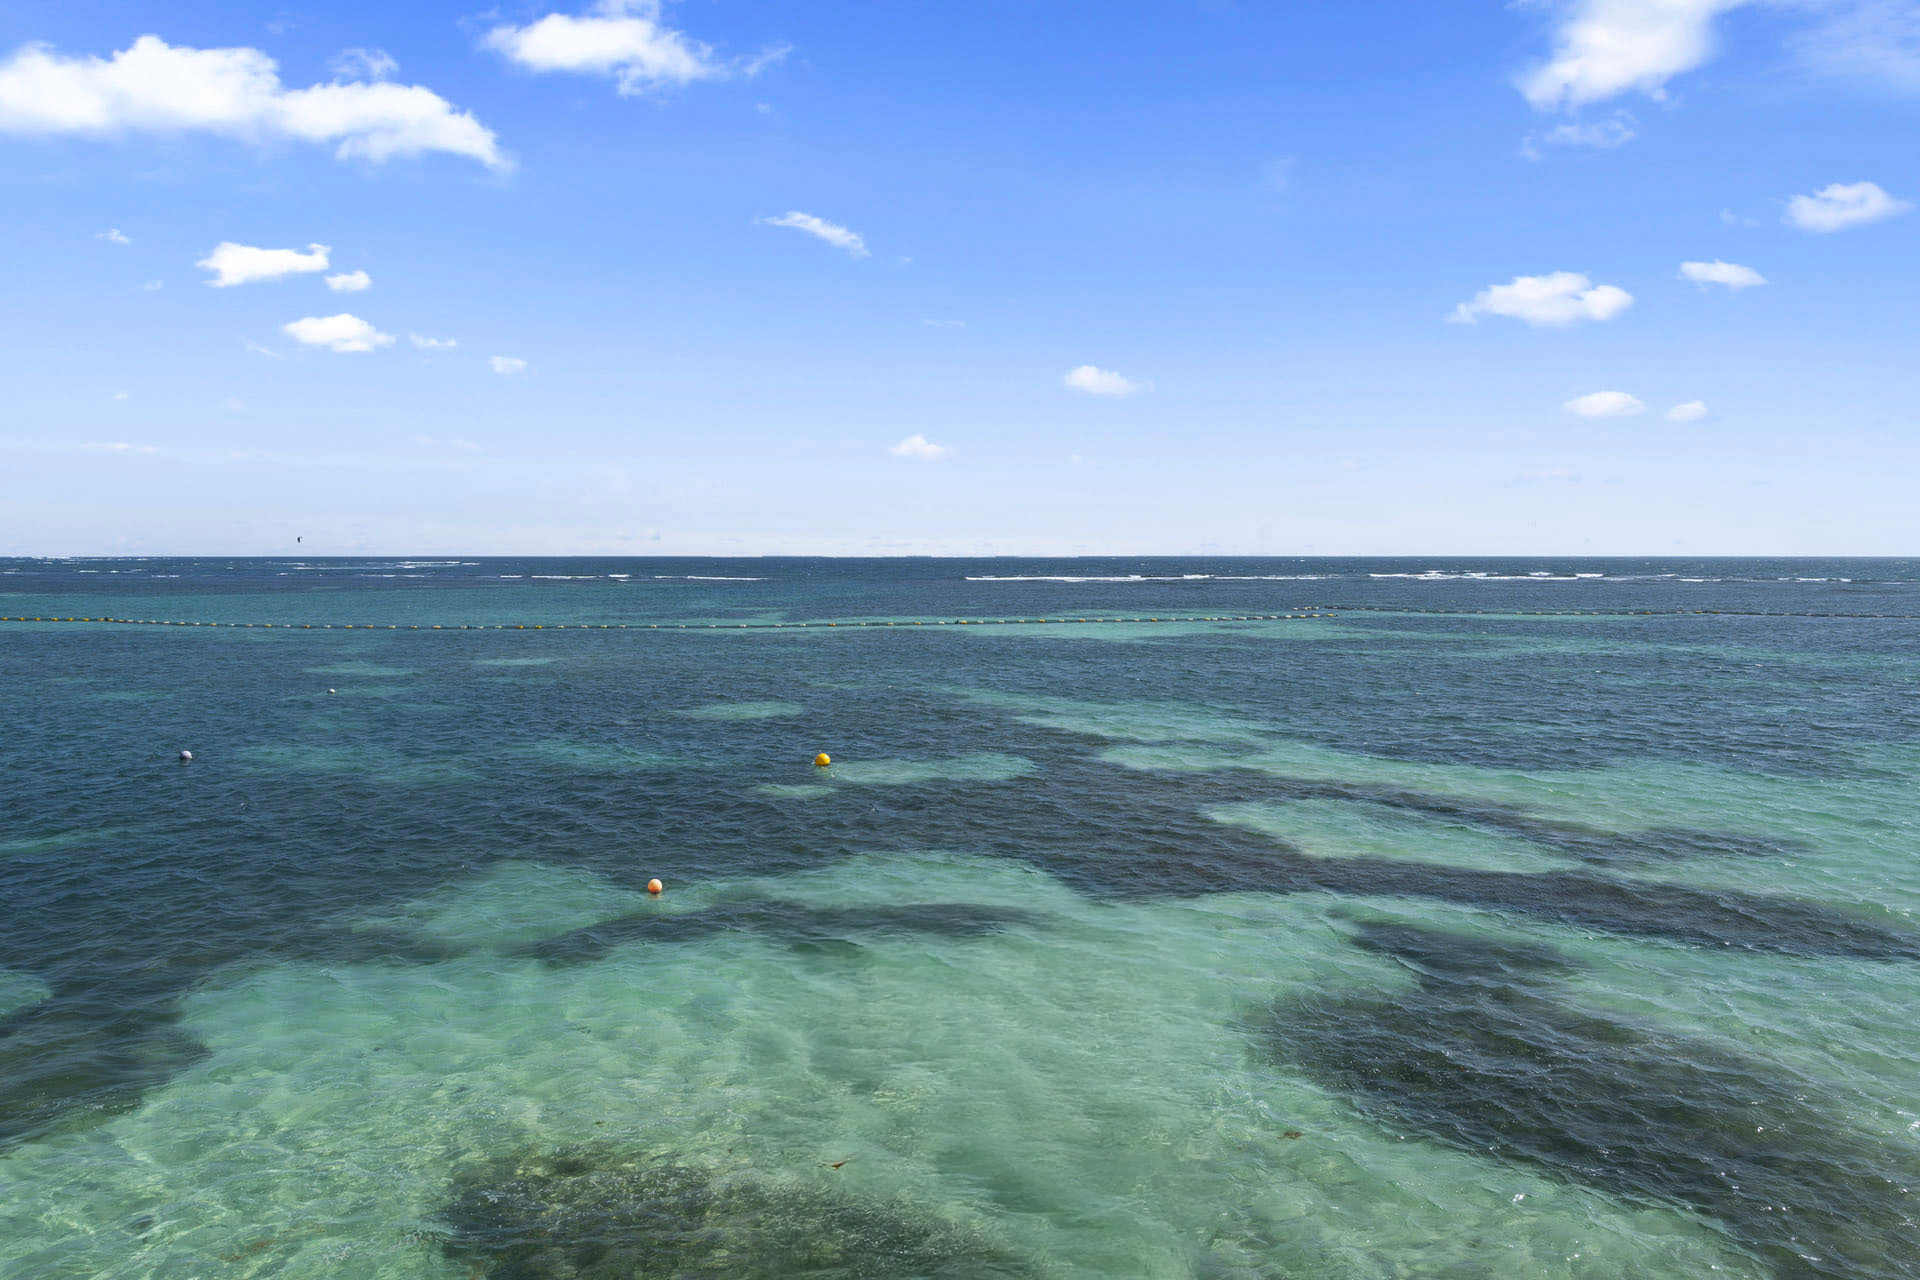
(823, 760)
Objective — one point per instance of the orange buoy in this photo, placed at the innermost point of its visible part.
(822, 760)
(654, 886)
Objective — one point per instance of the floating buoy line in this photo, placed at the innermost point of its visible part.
(664, 626)
(1314, 612)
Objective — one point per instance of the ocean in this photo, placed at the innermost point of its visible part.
(1295, 918)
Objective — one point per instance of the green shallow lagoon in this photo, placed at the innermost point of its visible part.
(1413, 945)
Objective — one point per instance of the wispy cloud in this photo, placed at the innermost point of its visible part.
(1841, 205)
(832, 232)
(1691, 411)
(342, 333)
(153, 286)
(259, 350)
(157, 88)
(1600, 135)
(433, 344)
(350, 282)
(121, 446)
(363, 64)
(919, 447)
(1558, 299)
(112, 235)
(507, 364)
(1605, 404)
(1730, 274)
(234, 264)
(1096, 381)
(1877, 40)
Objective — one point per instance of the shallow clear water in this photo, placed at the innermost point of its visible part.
(1487, 926)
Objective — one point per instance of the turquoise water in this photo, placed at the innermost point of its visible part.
(1507, 921)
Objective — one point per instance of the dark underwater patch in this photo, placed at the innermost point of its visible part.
(1486, 1056)
(793, 924)
(1143, 834)
(80, 1057)
(585, 1214)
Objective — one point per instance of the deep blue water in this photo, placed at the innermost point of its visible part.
(1591, 878)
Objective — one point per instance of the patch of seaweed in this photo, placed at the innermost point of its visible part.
(1484, 1055)
(597, 1214)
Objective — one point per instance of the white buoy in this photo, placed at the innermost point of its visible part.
(333, 691)
(186, 757)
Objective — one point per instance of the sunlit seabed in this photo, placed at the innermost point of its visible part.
(1073, 1078)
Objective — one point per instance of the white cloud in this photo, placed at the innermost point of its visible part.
(112, 235)
(233, 264)
(620, 38)
(350, 282)
(1730, 274)
(1560, 298)
(363, 64)
(1691, 411)
(1605, 404)
(507, 364)
(342, 333)
(154, 87)
(1604, 48)
(259, 350)
(918, 446)
(153, 286)
(1102, 382)
(1841, 205)
(433, 344)
(121, 446)
(832, 232)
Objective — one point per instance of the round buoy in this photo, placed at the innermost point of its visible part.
(822, 760)
(333, 691)
(654, 886)
(186, 757)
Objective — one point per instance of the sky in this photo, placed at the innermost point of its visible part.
(742, 277)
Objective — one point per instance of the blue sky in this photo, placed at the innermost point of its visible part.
(740, 277)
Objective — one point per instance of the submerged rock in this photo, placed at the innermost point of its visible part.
(585, 1214)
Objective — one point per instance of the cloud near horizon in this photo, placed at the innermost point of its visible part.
(1605, 404)
(342, 333)
(1096, 381)
(157, 88)
(1558, 299)
(1838, 206)
(832, 232)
